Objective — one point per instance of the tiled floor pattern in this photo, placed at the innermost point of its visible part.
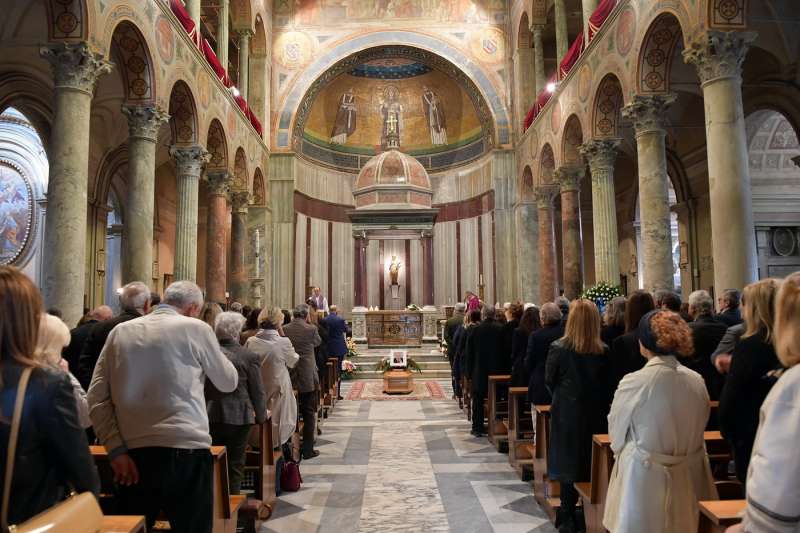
(406, 466)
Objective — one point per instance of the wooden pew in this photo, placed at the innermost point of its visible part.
(497, 398)
(123, 524)
(261, 462)
(545, 491)
(520, 432)
(717, 516)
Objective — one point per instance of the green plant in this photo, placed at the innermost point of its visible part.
(602, 293)
(384, 365)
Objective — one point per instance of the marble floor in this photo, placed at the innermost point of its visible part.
(389, 466)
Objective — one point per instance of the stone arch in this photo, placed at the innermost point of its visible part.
(183, 114)
(292, 101)
(547, 164)
(217, 146)
(571, 141)
(133, 61)
(524, 35)
(526, 184)
(656, 54)
(259, 71)
(240, 175)
(608, 101)
(68, 20)
(32, 96)
(259, 191)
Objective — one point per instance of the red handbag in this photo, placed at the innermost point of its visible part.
(290, 477)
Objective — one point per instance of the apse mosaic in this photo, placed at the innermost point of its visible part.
(16, 212)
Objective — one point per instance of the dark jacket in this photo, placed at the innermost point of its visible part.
(321, 353)
(582, 397)
(77, 339)
(482, 346)
(610, 333)
(304, 337)
(52, 451)
(707, 332)
(625, 356)
(504, 358)
(450, 330)
(457, 350)
(248, 403)
(730, 317)
(535, 360)
(519, 348)
(94, 345)
(744, 392)
(337, 331)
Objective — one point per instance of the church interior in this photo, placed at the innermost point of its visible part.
(399, 165)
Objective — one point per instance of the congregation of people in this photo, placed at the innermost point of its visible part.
(645, 370)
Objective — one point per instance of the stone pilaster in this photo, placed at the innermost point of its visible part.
(538, 57)
(193, 7)
(239, 200)
(244, 61)
(718, 57)
(281, 195)
(647, 114)
(601, 155)
(525, 82)
(569, 179)
(562, 36)
(222, 32)
(75, 71)
(218, 190)
(588, 8)
(137, 234)
(189, 162)
(427, 268)
(527, 252)
(545, 194)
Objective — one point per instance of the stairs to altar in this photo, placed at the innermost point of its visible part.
(434, 363)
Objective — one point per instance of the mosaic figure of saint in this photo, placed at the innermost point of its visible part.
(434, 113)
(392, 114)
(345, 123)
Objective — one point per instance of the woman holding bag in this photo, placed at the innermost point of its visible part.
(52, 454)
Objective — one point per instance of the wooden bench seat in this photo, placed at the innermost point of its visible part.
(520, 433)
(545, 491)
(497, 398)
(261, 462)
(123, 524)
(717, 516)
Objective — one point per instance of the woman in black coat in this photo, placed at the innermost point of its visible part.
(613, 320)
(578, 374)
(749, 380)
(52, 454)
(529, 323)
(625, 354)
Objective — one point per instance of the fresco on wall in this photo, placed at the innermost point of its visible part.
(312, 12)
(16, 213)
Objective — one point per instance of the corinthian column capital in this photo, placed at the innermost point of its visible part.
(569, 178)
(189, 160)
(647, 112)
(240, 200)
(545, 194)
(601, 154)
(245, 34)
(144, 121)
(75, 66)
(719, 54)
(219, 182)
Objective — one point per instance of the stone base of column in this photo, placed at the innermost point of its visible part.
(359, 325)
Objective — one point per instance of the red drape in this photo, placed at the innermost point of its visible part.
(599, 16)
(186, 21)
(541, 100)
(572, 56)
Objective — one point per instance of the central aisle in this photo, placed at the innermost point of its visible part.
(406, 465)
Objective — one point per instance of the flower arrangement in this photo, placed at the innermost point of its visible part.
(352, 351)
(349, 369)
(412, 307)
(601, 294)
(384, 365)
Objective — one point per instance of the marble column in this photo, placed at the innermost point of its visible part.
(244, 61)
(218, 190)
(718, 57)
(569, 179)
(525, 78)
(75, 71)
(189, 161)
(545, 194)
(526, 253)
(601, 154)
(647, 114)
(588, 8)
(144, 121)
(360, 269)
(427, 268)
(240, 201)
(562, 36)
(538, 58)
(193, 7)
(222, 33)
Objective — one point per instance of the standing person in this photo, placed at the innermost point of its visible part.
(78, 335)
(319, 300)
(450, 327)
(481, 349)
(277, 358)
(52, 454)
(232, 415)
(613, 320)
(321, 351)
(721, 358)
(460, 369)
(625, 354)
(749, 380)
(730, 313)
(148, 409)
(210, 312)
(707, 332)
(337, 339)
(304, 338)
(472, 301)
(656, 427)
(504, 357)
(529, 323)
(578, 374)
(773, 478)
(251, 326)
(134, 300)
(536, 353)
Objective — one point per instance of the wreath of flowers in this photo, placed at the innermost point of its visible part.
(602, 293)
(349, 369)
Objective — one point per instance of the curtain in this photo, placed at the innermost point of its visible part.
(541, 101)
(572, 56)
(599, 16)
(186, 21)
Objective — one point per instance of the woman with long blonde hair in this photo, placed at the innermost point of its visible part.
(578, 373)
(749, 380)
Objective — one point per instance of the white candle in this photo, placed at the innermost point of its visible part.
(481, 280)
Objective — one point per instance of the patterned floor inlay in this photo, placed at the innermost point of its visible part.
(373, 391)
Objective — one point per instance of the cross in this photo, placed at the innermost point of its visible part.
(391, 122)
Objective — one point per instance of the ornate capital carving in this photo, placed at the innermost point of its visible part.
(240, 200)
(719, 54)
(601, 154)
(647, 112)
(244, 34)
(219, 182)
(569, 178)
(545, 194)
(75, 66)
(144, 121)
(189, 160)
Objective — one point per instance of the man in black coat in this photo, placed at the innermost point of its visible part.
(536, 356)
(135, 302)
(730, 314)
(481, 351)
(79, 334)
(707, 332)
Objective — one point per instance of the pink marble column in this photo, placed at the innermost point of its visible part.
(218, 190)
(545, 194)
(569, 179)
(240, 200)
(360, 269)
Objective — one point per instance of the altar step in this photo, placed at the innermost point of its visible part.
(434, 364)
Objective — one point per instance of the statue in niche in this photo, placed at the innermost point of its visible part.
(394, 271)
(392, 113)
(435, 115)
(345, 123)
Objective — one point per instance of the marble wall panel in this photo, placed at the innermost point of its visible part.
(373, 273)
(318, 266)
(324, 184)
(488, 257)
(415, 262)
(342, 291)
(469, 255)
(444, 261)
(300, 280)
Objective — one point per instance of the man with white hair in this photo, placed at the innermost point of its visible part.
(148, 409)
(134, 300)
(707, 332)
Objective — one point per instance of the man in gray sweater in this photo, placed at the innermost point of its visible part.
(148, 409)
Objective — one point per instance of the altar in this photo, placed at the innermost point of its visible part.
(394, 328)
